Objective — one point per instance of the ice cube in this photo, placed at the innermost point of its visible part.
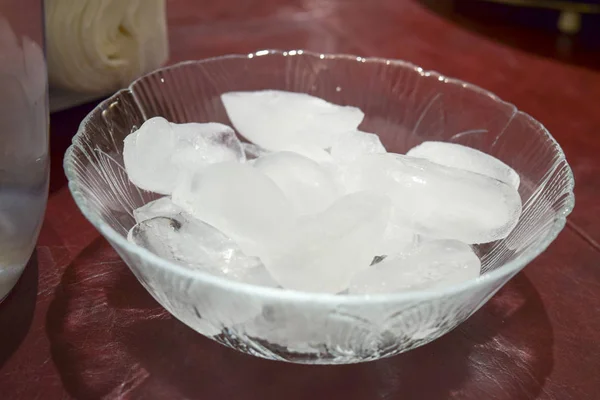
(237, 199)
(147, 156)
(313, 152)
(308, 186)
(275, 119)
(200, 144)
(157, 154)
(163, 207)
(323, 251)
(434, 264)
(197, 245)
(467, 158)
(438, 201)
(397, 238)
(351, 145)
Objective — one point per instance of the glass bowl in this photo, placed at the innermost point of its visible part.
(405, 105)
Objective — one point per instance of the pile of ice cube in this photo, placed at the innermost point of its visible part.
(312, 203)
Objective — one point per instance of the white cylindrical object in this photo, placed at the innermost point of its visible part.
(99, 46)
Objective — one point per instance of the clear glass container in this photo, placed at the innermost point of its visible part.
(24, 163)
(405, 105)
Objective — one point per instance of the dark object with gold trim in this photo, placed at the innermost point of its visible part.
(579, 18)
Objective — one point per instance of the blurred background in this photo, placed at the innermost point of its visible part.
(514, 48)
(541, 55)
(136, 34)
(567, 30)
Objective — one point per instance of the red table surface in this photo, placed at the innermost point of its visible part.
(78, 324)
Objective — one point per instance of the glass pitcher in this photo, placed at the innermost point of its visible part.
(24, 163)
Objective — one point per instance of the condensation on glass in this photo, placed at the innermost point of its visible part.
(23, 135)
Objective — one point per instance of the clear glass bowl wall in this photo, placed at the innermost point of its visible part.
(405, 105)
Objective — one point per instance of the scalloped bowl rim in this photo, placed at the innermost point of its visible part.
(510, 267)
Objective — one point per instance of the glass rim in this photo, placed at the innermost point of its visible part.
(504, 270)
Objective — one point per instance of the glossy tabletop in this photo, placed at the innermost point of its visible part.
(79, 325)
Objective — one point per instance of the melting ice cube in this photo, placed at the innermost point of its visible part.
(467, 158)
(237, 199)
(276, 119)
(438, 201)
(323, 251)
(197, 245)
(309, 187)
(432, 265)
(157, 154)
